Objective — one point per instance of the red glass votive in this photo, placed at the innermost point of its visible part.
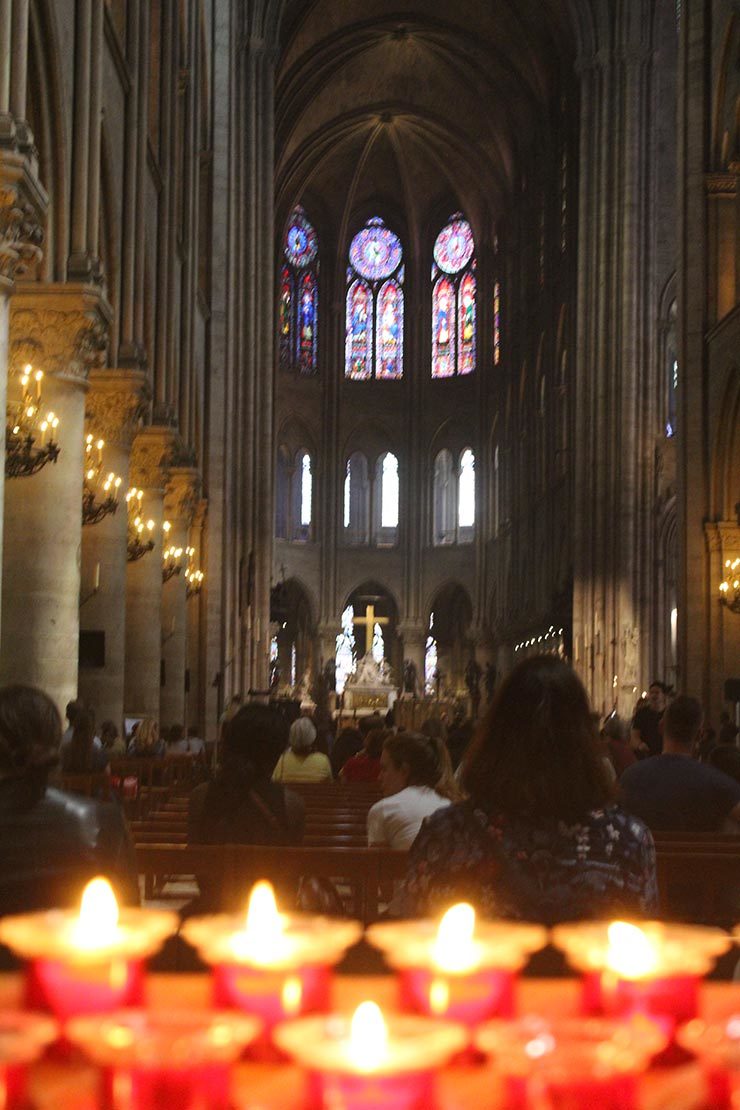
(404, 1079)
(718, 1047)
(573, 1064)
(272, 995)
(174, 1060)
(670, 999)
(23, 1037)
(71, 990)
(469, 999)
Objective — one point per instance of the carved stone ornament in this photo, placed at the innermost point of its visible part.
(116, 404)
(150, 457)
(182, 495)
(21, 235)
(63, 331)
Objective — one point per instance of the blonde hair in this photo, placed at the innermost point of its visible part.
(147, 734)
(448, 786)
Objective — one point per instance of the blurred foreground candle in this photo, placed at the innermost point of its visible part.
(718, 1047)
(274, 965)
(367, 1063)
(154, 1060)
(88, 962)
(461, 968)
(650, 968)
(23, 1037)
(573, 1064)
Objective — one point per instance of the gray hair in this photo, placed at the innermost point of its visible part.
(302, 734)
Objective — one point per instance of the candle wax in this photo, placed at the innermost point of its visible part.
(406, 1091)
(271, 994)
(469, 999)
(68, 990)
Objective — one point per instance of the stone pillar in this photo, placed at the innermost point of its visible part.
(414, 636)
(62, 330)
(114, 406)
(141, 691)
(22, 203)
(180, 502)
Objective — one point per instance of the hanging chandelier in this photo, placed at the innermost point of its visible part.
(171, 556)
(729, 587)
(100, 490)
(138, 539)
(30, 432)
(194, 576)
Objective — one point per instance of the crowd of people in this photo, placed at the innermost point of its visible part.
(540, 812)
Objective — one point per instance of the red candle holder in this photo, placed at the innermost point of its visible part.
(718, 1047)
(278, 976)
(69, 977)
(573, 1064)
(154, 1060)
(401, 1077)
(479, 980)
(23, 1038)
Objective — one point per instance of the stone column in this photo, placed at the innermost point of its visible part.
(114, 407)
(414, 636)
(61, 329)
(180, 502)
(22, 203)
(141, 691)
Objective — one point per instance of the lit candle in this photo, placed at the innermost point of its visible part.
(271, 964)
(654, 968)
(23, 1037)
(368, 1063)
(461, 969)
(177, 1059)
(91, 961)
(575, 1063)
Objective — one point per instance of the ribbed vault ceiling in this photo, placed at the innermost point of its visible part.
(427, 105)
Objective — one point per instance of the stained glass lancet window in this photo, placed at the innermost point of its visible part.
(454, 332)
(299, 295)
(375, 304)
(496, 324)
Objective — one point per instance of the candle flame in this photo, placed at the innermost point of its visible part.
(263, 938)
(631, 954)
(368, 1038)
(98, 920)
(453, 948)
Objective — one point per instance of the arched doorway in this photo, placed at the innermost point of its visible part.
(293, 634)
(369, 623)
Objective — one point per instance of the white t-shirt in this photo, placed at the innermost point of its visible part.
(394, 822)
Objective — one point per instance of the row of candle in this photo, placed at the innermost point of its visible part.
(272, 966)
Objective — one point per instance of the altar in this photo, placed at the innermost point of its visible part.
(369, 688)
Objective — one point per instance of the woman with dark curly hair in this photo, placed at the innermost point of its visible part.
(53, 842)
(540, 837)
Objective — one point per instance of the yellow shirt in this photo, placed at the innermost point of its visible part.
(302, 768)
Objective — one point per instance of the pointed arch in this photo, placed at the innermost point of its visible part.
(389, 340)
(359, 325)
(375, 304)
(443, 328)
(454, 324)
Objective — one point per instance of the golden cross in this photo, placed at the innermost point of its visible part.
(370, 620)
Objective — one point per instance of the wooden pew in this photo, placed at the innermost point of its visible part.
(699, 877)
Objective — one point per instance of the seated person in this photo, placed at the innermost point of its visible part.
(539, 838)
(676, 793)
(301, 762)
(365, 766)
(80, 756)
(347, 744)
(146, 742)
(645, 732)
(53, 842)
(410, 769)
(242, 805)
(725, 756)
(112, 743)
(616, 744)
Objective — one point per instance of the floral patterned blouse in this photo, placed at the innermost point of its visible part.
(549, 871)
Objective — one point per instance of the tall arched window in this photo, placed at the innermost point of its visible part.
(299, 296)
(356, 500)
(386, 500)
(302, 497)
(466, 496)
(374, 307)
(444, 499)
(454, 328)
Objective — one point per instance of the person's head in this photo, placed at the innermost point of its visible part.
(366, 724)
(147, 734)
(30, 735)
(108, 733)
(72, 709)
(302, 736)
(409, 759)
(373, 742)
(657, 696)
(175, 734)
(83, 731)
(534, 753)
(682, 724)
(614, 728)
(254, 739)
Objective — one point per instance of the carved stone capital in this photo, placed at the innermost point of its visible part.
(61, 329)
(116, 404)
(150, 457)
(412, 632)
(720, 184)
(23, 203)
(182, 495)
